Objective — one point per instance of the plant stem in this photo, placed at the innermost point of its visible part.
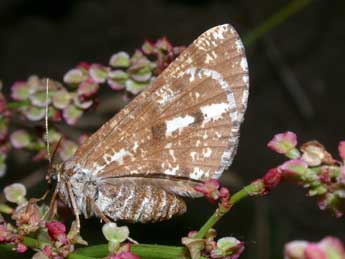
(249, 190)
(100, 251)
(142, 250)
(149, 251)
(276, 19)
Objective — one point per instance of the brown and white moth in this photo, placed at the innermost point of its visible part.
(182, 130)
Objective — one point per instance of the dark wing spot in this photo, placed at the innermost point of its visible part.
(198, 117)
(158, 131)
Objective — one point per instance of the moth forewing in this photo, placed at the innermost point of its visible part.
(182, 130)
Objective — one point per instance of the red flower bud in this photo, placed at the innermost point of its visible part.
(272, 178)
(55, 228)
(21, 248)
(341, 149)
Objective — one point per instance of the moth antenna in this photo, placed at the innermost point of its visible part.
(56, 148)
(46, 122)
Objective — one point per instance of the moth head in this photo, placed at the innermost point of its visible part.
(54, 173)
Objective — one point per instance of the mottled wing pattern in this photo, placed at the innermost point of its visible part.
(181, 130)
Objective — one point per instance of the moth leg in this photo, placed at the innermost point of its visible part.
(74, 205)
(36, 200)
(53, 208)
(99, 213)
(52, 205)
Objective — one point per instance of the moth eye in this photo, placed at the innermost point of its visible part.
(54, 177)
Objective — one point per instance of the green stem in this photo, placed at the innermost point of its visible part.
(276, 19)
(142, 250)
(154, 251)
(249, 190)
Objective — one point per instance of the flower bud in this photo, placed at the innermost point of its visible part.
(210, 189)
(283, 143)
(115, 235)
(98, 73)
(20, 91)
(15, 193)
(341, 149)
(134, 87)
(72, 114)
(87, 89)
(272, 178)
(20, 139)
(61, 99)
(295, 249)
(120, 59)
(314, 154)
(21, 248)
(56, 229)
(228, 247)
(75, 76)
(333, 247)
(294, 168)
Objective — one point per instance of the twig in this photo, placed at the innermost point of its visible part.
(221, 210)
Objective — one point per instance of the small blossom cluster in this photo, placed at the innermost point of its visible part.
(226, 247)
(29, 101)
(212, 190)
(68, 103)
(30, 220)
(327, 248)
(8, 235)
(312, 167)
(132, 73)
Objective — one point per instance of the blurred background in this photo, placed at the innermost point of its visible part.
(296, 62)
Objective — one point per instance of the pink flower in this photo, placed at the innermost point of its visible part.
(332, 245)
(272, 178)
(296, 167)
(313, 251)
(224, 193)
(192, 233)
(282, 143)
(341, 177)
(57, 231)
(20, 91)
(124, 255)
(21, 248)
(327, 248)
(87, 89)
(341, 149)
(209, 189)
(47, 250)
(228, 247)
(84, 65)
(98, 73)
(295, 249)
(3, 233)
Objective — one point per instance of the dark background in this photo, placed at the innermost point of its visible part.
(297, 72)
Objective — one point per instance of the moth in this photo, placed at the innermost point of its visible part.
(180, 131)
